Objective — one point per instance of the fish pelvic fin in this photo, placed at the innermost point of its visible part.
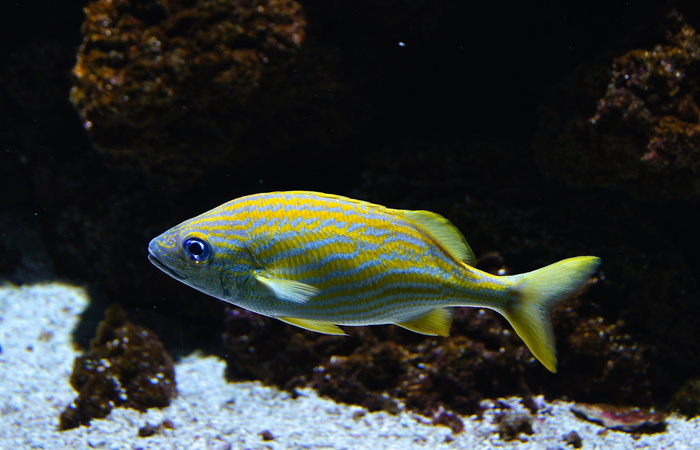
(313, 325)
(435, 322)
(536, 293)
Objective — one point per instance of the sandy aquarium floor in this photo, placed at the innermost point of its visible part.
(36, 358)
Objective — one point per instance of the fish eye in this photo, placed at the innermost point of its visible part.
(196, 249)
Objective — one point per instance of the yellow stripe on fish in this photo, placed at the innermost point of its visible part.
(317, 261)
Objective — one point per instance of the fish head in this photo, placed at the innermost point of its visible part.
(195, 259)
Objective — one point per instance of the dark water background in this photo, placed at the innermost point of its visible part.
(452, 107)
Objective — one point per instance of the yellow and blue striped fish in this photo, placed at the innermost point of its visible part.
(317, 261)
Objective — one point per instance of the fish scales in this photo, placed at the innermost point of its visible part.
(326, 246)
(318, 260)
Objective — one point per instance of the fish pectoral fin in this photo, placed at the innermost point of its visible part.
(289, 290)
(313, 325)
(435, 322)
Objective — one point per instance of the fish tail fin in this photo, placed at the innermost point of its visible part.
(536, 293)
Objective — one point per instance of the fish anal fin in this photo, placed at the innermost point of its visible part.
(289, 290)
(313, 325)
(443, 232)
(435, 322)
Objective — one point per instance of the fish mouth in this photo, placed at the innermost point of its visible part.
(156, 262)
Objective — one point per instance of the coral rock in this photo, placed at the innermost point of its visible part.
(152, 74)
(512, 423)
(126, 366)
(573, 439)
(621, 418)
(687, 399)
(644, 133)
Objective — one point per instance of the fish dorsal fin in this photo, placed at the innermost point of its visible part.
(434, 322)
(313, 325)
(443, 232)
(289, 290)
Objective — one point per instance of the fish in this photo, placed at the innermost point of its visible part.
(319, 261)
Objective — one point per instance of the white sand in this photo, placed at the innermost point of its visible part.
(37, 358)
